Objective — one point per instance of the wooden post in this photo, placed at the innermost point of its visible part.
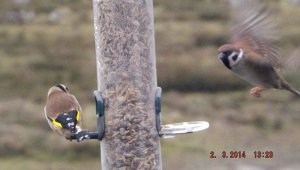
(126, 72)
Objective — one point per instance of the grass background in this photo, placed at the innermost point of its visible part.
(43, 43)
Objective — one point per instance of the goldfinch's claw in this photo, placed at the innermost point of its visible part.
(82, 135)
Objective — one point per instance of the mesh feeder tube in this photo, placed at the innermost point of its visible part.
(126, 73)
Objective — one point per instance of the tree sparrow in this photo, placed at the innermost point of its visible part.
(252, 54)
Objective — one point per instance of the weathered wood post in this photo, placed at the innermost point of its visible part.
(126, 71)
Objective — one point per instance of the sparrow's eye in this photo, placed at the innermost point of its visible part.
(234, 57)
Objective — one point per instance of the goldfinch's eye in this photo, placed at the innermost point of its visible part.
(62, 87)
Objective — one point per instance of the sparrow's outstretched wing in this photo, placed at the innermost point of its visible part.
(292, 63)
(254, 31)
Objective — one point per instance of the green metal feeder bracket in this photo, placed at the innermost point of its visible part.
(100, 121)
(158, 93)
(166, 131)
(100, 114)
(170, 130)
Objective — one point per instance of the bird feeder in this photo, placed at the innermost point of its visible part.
(128, 101)
(124, 36)
(126, 71)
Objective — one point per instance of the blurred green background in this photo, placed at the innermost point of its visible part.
(43, 43)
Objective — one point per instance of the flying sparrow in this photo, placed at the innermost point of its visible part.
(63, 111)
(252, 54)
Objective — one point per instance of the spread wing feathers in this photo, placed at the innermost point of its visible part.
(254, 31)
(292, 63)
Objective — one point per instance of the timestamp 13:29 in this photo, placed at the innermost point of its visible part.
(242, 154)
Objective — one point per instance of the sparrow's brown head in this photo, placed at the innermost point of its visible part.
(253, 32)
(230, 55)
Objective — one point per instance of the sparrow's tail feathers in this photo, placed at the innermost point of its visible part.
(291, 89)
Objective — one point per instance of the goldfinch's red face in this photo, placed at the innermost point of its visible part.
(58, 88)
(63, 87)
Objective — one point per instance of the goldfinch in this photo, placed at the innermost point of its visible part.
(63, 111)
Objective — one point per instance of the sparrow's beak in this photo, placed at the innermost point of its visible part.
(221, 56)
(224, 58)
